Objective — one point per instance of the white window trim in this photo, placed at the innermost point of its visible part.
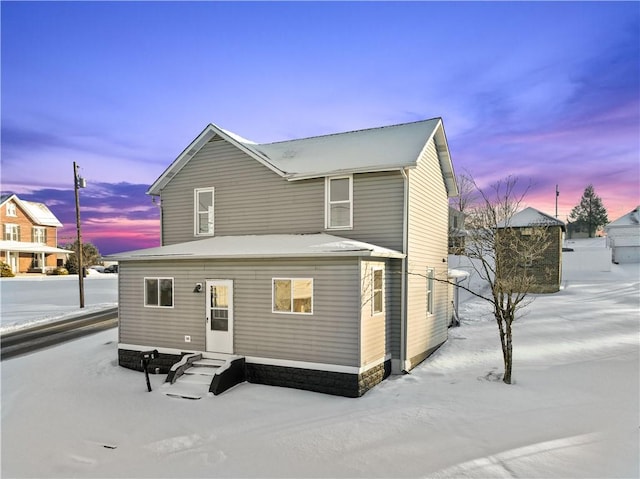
(11, 209)
(431, 272)
(14, 229)
(42, 230)
(158, 278)
(327, 202)
(196, 211)
(373, 290)
(273, 294)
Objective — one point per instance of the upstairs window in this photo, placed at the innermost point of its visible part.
(203, 211)
(377, 297)
(158, 292)
(11, 209)
(11, 232)
(39, 234)
(339, 202)
(293, 295)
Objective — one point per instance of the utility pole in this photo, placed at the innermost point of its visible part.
(78, 183)
(557, 194)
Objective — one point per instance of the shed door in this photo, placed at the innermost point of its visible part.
(220, 316)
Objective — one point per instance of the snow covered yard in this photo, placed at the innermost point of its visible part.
(70, 411)
(27, 300)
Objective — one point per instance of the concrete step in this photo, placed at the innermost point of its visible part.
(213, 363)
(202, 371)
(194, 379)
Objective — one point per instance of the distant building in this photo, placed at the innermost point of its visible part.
(547, 271)
(29, 235)
(457, 233)
(624, 237)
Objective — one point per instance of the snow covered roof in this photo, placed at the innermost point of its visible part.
(24, 247)
(39, 213)
(260, 246)
(376, 149)
(529, 217)
(630, 219)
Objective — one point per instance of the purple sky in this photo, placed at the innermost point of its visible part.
(545, 91)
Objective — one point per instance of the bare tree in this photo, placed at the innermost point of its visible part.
(461, 204)
(504, 256)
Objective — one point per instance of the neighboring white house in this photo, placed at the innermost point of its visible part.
(624, 237)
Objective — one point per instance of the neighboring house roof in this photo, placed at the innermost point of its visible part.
(630, 219)
(24, 247)
(261, 246)
(530, 217)
(375, 149)
(39, 213)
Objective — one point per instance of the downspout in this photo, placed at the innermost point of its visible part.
(403, 283)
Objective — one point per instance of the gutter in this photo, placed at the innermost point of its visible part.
(403, 280)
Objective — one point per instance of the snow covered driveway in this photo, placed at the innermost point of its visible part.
(70, 411)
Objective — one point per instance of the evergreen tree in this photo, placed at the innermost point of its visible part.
(590, 212)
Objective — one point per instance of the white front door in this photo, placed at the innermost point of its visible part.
(220, 316)
(13, 262)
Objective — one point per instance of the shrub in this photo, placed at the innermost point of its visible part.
(59, 271)
(5, 270)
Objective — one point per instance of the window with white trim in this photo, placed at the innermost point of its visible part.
(11, 232)
(158, 292)
(430, 291)
(39, 234)
(377, 296)
(292, 295)
(203, 211)
(11, 209)
(339, 202)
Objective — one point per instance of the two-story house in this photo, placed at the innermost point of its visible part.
(29, 235)
(317, 260)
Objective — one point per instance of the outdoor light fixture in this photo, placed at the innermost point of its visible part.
(79, 182)
(198, 288)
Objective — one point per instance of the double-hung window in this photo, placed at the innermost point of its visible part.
(11, 209)
(39, 234)
(158, 292)
(203, 211)
(339, 202)
(430, 291)
(11, 232)
(292, 295)
(377, 296)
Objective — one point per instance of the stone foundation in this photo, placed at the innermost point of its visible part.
(327, 382)
(131, 360)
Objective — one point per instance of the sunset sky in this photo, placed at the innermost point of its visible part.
(546, 91)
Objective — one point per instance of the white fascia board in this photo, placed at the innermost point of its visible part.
(187, 256)
(444, 157)
(346, 172)
(194, 147)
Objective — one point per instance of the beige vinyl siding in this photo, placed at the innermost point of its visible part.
(374, 337)
(330, 335)
(251, 199)
(427, 247)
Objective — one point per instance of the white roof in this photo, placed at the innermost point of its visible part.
(375, 149)
(630, 219)
(39, 213)
(24, 247)
(260, 246)
(531, 217)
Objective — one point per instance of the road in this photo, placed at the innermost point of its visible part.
(31, 339)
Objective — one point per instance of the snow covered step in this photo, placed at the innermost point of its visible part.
(194, 379)
(186, 391)
(214, 363)
(202, 371)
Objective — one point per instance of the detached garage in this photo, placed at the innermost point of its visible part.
(624, 237)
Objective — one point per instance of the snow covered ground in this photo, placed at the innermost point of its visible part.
(70, 411)
(28, 300)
